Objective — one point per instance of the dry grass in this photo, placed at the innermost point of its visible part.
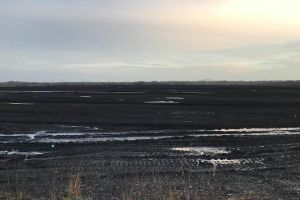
(13, 195)
(14, 188)
(163, 187)
(127, 186)
(74, 188)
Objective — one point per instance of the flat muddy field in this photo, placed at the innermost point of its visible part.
(150, 141)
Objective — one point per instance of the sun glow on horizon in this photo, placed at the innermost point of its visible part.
(261, 11)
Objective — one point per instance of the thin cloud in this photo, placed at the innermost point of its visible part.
(146, 40)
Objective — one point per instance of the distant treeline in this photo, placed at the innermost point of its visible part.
(216, 83)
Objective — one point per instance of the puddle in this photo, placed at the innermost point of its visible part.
(194, 92)
(202, 150)
(30, 153)
(54, 91)
(30, 136)
(232, 161)
(174, 98)
(39, 91)
(161, 102)
(249, 132)
(102, 139)
(128, 92)
(43, 133)
(20, 103)
(222, 161)
(257, 129)
(81, 137)
(83, 127)
(94, 134)
(33, 136)
(100, 136)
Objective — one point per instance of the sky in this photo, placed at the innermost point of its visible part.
(149, 40)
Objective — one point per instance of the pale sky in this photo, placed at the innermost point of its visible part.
(149, 40)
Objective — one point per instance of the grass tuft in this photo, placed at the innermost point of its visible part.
(74, 188)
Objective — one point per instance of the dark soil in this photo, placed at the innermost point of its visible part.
(156, 119)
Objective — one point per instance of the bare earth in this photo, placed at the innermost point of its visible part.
(150, 141)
